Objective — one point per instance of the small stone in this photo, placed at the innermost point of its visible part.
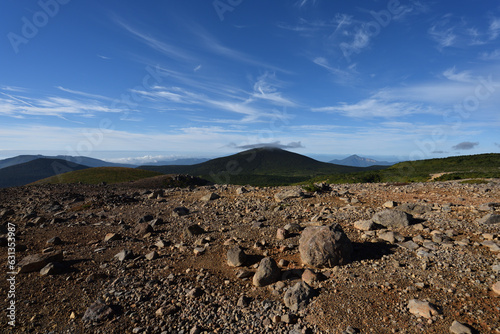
(195, 293)
(389, 204)
(281, 234)
(490, 218)
(98, 312)
(54, 241)
(124, 255)
(112, 237)
(309, 277)
(243, 301)
(151, 255)
(392, 219)
(36, 262)
(142, 229)
(53, 268)
(199, 250)
(193, 230)
(496, 288)
(297, 297)
(166, 310)
(283, 263)
(195, 330)
(236, 256)
(365, 225)
(289, 318)
(493, 246)
(422, 308)
(243, 273)
(459, 328)
(267, 272)
(210, 197)
(161, 244)
(180, 211)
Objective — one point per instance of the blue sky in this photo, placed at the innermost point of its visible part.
(160, 79)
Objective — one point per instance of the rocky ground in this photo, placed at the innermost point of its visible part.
(129, 259)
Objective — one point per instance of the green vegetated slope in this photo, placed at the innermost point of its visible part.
(456, 168)
(261, 167)
(100, 174)
(31, 171)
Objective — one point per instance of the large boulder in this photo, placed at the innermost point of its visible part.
(267, 272)
(325, 246)
(392, 219)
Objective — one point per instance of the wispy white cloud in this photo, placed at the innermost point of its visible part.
(375, 107)
(266, 88)
(464, 76)
(89, 95)
(22, 106)
(494, 28)
(445, 37)
(344, 77)
(492, 55)
(211, 44)
(167, 49)
(197, 68)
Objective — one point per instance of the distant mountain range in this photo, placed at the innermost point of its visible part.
(357, 161)
(264, 166)
(34, 170)
(186, 161)
(86, 161)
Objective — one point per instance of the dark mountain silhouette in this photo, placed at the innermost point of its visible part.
(86, 161)
(258, 166)
(357, 161)
(31, 171)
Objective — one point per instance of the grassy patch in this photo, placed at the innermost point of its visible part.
(99, 175)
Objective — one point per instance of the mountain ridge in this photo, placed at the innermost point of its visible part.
(358, 161)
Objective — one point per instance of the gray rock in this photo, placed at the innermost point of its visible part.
(297, 297)
(193, 230)
(54, 241)
(490, 218)
(415, 208)
(210, 197)
(37, 261)
(459, 328)
(180, 211)
(267, 272)
(241, 190)
(112, 237)
(392, 218)
(281, 234)
(124, 255)
(151, 255)
(288, 194)
(422, 308)
(53, 268)
(98, 312)
(142, 229)
(365, 225)
(325, 246)
(236, 256)
(244, 301)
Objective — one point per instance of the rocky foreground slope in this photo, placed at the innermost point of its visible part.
(122, 259)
